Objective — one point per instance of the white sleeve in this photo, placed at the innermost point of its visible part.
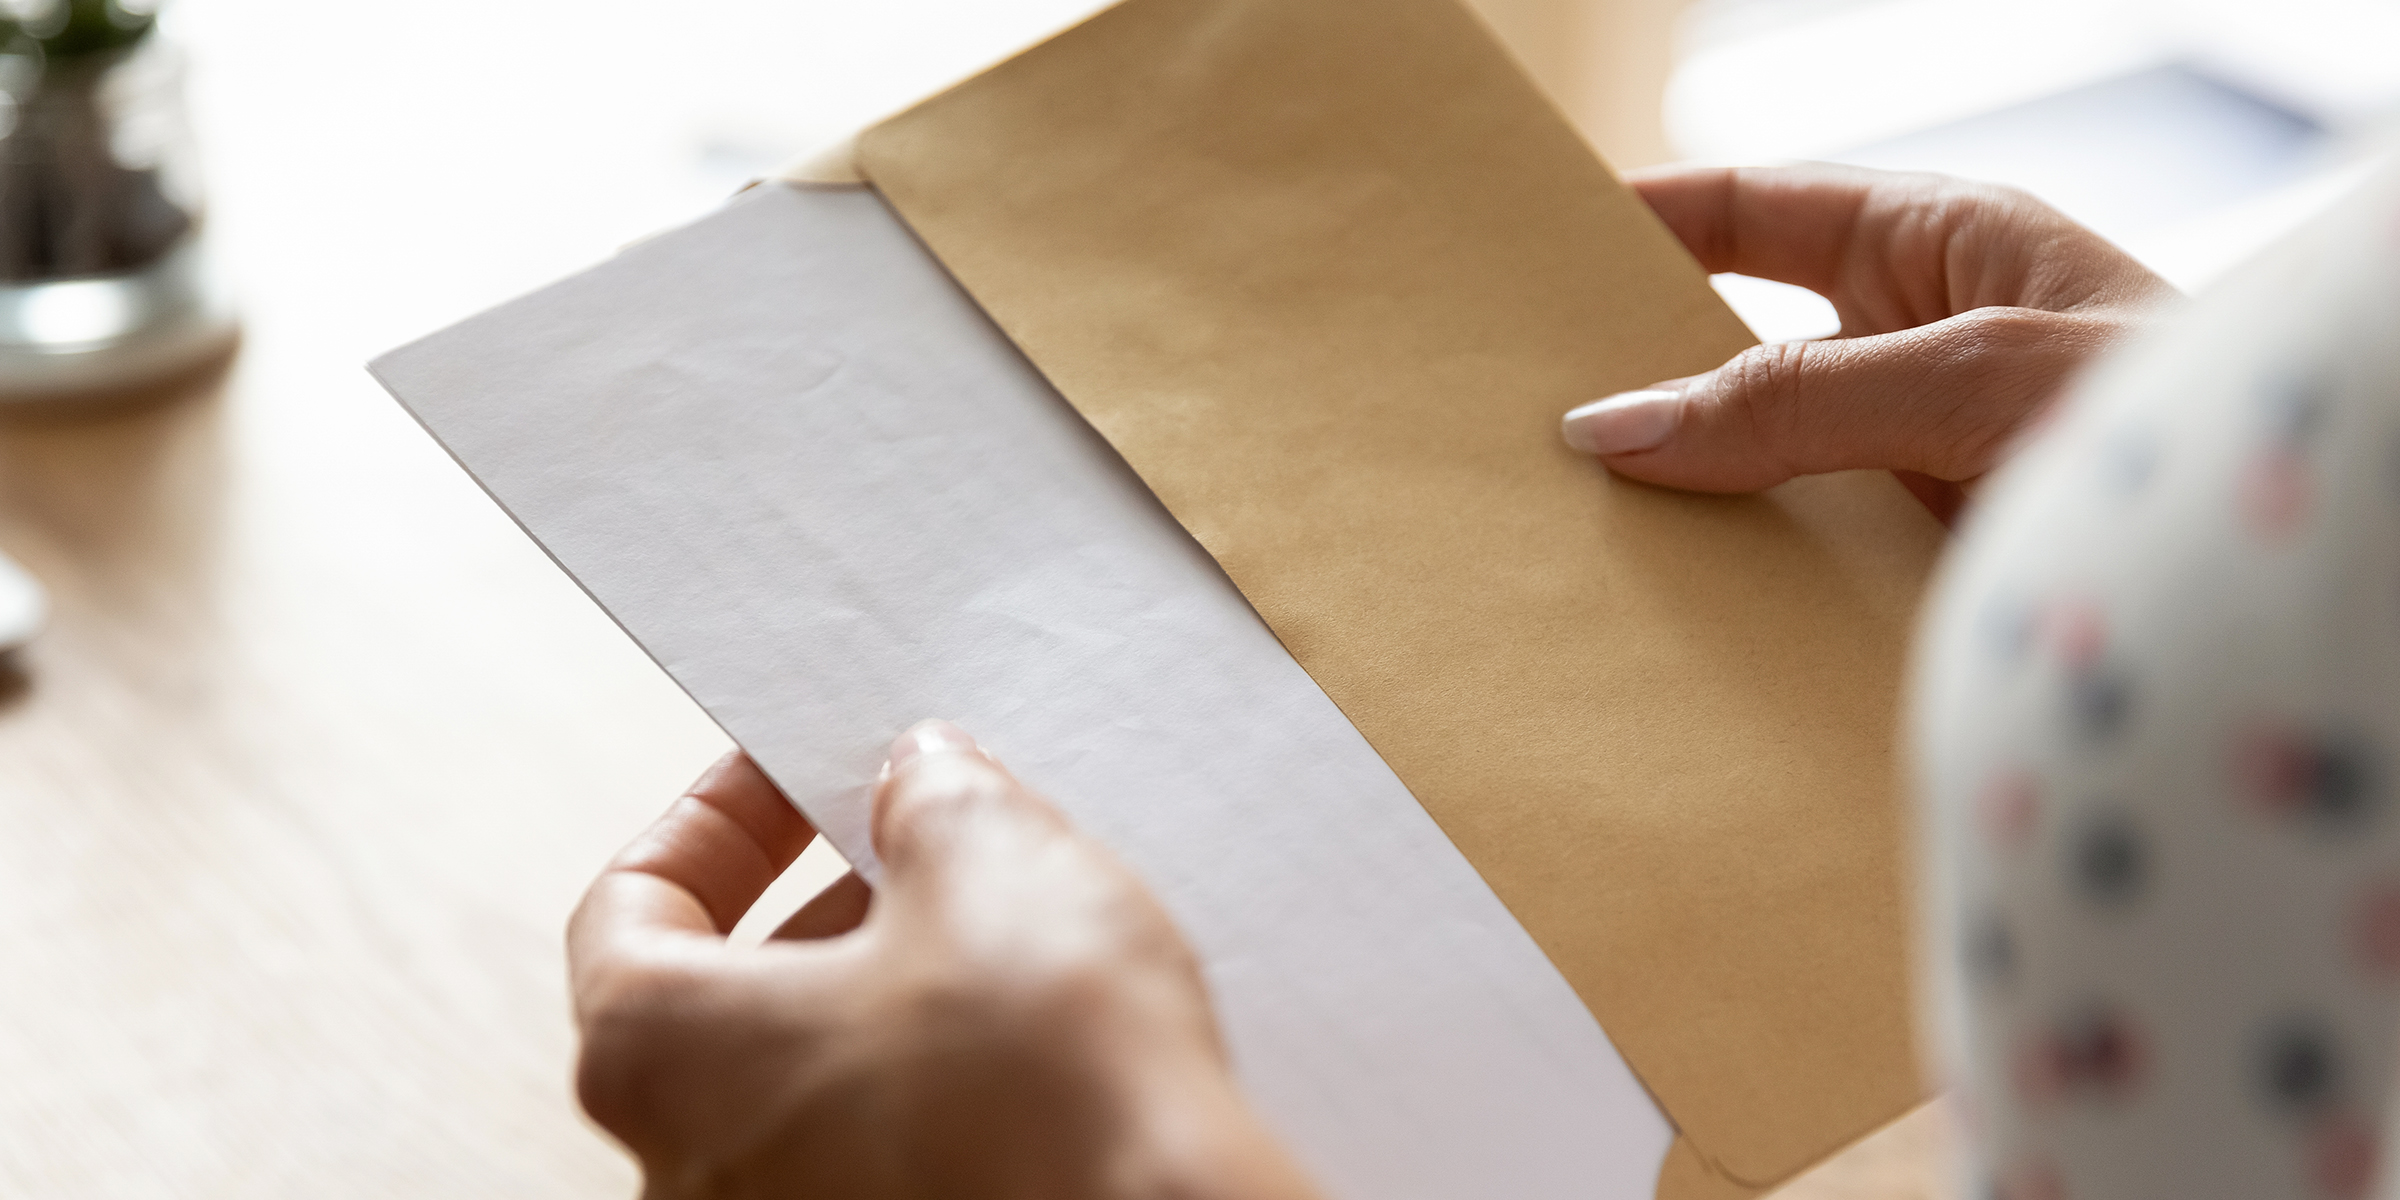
(2157, 723)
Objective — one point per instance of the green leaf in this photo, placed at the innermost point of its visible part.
(73, 28)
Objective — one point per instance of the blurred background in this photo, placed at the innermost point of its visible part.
(315, 750)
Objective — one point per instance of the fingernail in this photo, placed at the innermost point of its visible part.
(929, 737)
(1625, 423)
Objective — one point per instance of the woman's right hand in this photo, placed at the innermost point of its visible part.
(1011, 1014)
(1964, 307)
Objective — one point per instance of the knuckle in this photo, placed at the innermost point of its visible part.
(626, 1012)
(1763, 388)
(1939, 214)
(1933, 191)
(2012, 199)
(2014, 350)
(1951, 200)
(627, 985)
(609, 1089)
(620, 1002)
(1766, 376)
(2001, 325)
(945, 782)
(1985, 334)
(1983, 193)
(931, 797)
(2008, 363)
(1928, 195)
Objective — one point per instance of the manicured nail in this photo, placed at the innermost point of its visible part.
(930, 737)
(1625, 423)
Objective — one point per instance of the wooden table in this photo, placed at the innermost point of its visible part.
(298, 789)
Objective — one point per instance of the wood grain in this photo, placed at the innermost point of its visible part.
(298, 789)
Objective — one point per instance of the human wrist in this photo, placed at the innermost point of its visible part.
(1194, 1136)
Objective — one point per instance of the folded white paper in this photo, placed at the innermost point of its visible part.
(796, 462)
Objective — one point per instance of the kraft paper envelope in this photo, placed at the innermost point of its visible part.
(802, 468)
(1326, 272)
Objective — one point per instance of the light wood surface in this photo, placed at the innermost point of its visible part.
(296, 792)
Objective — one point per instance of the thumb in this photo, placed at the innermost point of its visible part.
(944, 800)
(1942, 399)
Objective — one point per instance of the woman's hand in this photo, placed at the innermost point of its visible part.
(1011, 1015)
(1964, 307)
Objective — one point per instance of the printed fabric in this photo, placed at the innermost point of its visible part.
(2157, 722)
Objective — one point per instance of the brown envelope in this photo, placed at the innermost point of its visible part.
(1326, 272)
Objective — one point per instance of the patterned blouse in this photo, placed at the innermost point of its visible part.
(2157, 717)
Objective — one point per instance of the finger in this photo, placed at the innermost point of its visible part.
(1893, 250)
(944, 799)
(1943, 399)
(837, 910)
(705, 862)
(1790, 224)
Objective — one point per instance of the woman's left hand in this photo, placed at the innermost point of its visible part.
(1964, 307)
